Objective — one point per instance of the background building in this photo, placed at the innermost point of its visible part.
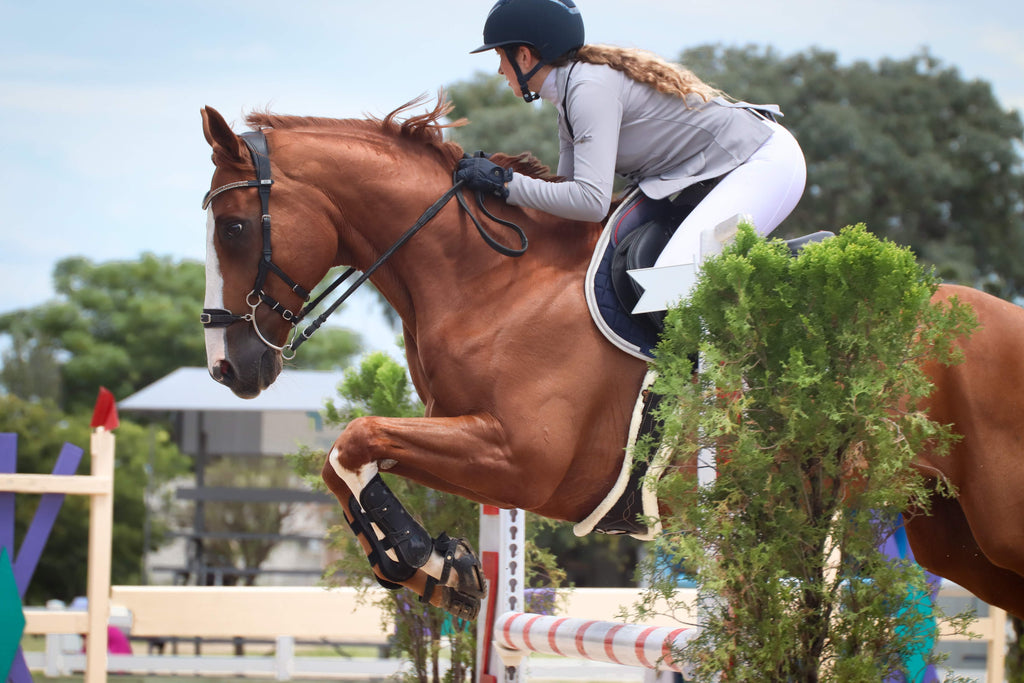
(245, 516)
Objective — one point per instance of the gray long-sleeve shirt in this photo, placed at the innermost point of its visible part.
(620, 126)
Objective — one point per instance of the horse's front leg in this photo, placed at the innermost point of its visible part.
(443, 571)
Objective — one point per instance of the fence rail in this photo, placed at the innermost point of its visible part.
(286, 616)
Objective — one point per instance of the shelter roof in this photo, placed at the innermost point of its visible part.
(192, 389)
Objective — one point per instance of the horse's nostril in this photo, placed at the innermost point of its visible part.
(222, 372)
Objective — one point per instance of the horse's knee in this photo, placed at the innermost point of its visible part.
(331, 478)
(352, 449)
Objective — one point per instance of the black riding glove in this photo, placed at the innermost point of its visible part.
(483, 175)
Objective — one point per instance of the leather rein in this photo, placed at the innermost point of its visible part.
(256, 141)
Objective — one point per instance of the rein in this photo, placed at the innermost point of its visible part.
(256, 141)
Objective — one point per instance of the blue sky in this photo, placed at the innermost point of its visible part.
(101, 147)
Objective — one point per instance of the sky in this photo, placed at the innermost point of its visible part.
(101, 146)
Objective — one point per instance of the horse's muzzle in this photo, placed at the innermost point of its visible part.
(248, 380)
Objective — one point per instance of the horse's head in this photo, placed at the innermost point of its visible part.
(258, 274)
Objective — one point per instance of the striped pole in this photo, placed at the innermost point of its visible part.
(651, 647)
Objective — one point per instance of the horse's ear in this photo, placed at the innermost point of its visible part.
(220, 136)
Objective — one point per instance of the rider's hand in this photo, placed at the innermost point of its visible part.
(483, 175)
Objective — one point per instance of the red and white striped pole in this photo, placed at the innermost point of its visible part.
(651, 647)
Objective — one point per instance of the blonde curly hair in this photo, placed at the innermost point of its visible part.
(647, 68)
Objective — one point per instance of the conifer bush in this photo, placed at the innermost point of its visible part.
(807, 395)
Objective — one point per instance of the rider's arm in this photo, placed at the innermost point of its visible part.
(588, 160)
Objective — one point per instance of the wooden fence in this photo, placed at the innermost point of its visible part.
(287, 615)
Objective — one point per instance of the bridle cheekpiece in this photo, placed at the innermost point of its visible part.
(256, 141)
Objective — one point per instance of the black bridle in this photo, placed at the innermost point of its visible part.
(256, 141)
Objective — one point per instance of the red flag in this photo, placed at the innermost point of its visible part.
(105, 413)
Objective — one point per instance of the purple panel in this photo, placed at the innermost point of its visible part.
(8, 462)
(19, 669)
(42, 524)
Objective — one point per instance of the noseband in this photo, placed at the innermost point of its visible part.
(256, 141)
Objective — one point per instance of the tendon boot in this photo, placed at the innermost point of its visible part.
(360, 525)
(402, 533)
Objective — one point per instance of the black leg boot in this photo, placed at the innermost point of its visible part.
(410, 541)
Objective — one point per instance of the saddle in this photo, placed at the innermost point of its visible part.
(633, 237)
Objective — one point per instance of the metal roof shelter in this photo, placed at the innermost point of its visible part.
(211, 421)
(193, 389)
(284, 416)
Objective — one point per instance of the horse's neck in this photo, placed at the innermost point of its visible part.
(447, 263)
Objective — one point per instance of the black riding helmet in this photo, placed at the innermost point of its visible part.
(553, 28)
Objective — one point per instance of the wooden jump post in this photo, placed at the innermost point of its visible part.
(502, 549)
(99, 485)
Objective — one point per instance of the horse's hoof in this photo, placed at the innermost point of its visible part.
(460, 605)
(472, 581)
(463, 599)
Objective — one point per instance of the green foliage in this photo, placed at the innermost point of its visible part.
(379, 386)
(907, 146)
(110, 317)
(810, 377)
(1015, 653)
(42, 430)
(30, 368)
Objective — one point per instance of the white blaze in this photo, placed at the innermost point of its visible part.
(216, 337)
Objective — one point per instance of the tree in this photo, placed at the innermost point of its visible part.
(807, 391)
(30, 368)
(907, 147)
(122, 325)
(142, 455)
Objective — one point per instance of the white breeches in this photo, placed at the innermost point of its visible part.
(766, 187)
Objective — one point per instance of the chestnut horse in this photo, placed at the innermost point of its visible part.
(527, 404)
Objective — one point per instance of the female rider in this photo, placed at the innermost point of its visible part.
(629, 112)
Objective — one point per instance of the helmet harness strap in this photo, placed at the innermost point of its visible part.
(524, 86)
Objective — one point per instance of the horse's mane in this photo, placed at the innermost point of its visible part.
(426, 128)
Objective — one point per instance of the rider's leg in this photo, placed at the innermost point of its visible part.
(766, 188)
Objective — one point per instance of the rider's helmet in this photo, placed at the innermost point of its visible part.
(553, 28)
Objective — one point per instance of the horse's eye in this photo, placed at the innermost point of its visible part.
(233, 229)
